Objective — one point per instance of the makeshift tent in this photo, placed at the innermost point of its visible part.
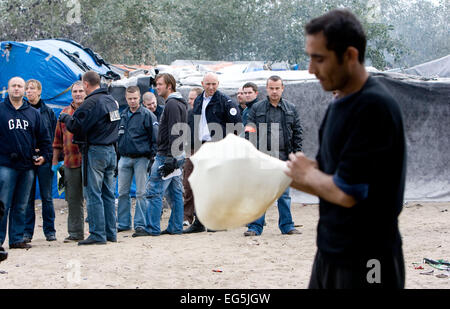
(432, 69)
(425, 105)
(57, 64)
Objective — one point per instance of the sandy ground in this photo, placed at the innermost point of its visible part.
(225, 260)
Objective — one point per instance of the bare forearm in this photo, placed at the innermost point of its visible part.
(322, 185)
(308, 178)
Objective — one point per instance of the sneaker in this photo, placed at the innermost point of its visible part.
(20, 245)
(26, 239)
(72, 239)
(186, 223)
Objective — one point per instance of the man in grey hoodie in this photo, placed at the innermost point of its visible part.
(169, 158)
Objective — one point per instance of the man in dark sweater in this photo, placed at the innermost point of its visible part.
(166, 173)
(21, 133)
(359, 172)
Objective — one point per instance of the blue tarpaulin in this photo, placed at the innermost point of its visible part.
(57, 64)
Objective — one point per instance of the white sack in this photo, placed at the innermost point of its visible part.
(233, 183)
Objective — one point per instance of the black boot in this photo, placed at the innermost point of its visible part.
(3, 254)
(195, 227)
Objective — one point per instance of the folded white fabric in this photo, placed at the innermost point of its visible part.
(234, 183)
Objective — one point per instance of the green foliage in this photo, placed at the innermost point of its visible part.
(145, 31)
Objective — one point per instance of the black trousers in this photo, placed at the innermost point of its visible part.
(381, 271)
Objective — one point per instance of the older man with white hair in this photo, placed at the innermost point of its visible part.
(214, 110)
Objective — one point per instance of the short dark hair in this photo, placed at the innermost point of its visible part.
(168, 80)
(341, 29)
(251, 85)
(92, 78)
(274, 78)
(133, 89)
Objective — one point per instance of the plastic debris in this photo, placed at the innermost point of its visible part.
(428, 272)
(438, 264)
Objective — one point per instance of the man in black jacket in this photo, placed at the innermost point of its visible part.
(44, 172)
(277, 121)
(96, 123)
(166, 172)
(136, 149)
(213, 112)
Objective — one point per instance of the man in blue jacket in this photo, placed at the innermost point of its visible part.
(21, 133)
(44, 173)
(137, 147)
(96, 123)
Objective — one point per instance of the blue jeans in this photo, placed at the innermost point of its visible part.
(100, 193)
(156, 187)
(127, 168)
(45, 175)
(285, 222)
(15, 187)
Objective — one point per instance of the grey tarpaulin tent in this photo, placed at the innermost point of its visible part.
(426, 110)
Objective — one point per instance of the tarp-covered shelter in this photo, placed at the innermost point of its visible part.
(425, 104)
(433, 69)
(56, 63)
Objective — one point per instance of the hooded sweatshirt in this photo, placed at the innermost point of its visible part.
(175, 111)
(21, 133)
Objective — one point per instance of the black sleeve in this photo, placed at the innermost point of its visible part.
(43, 140)
(81, 120)
(173, 116)
(297, 133)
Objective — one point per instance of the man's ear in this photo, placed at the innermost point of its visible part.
(352, 54)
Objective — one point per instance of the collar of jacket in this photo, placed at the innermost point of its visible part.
(44, 108)
(281, 104)
(126, 110)
(96, 91)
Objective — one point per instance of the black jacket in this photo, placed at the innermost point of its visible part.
(136, 137)
(175, 112)
(221, 109)
(290, 126)
(96, 121)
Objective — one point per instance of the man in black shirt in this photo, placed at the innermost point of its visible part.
(359, 174)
